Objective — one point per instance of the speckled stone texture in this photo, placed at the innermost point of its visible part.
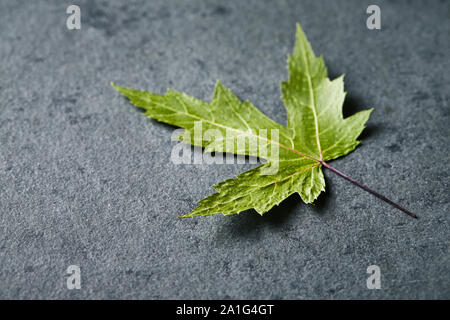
(86, 179)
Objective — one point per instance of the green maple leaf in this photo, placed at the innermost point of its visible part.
(316, 132)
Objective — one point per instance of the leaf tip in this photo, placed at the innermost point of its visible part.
(188, 215)
(369, 112)
(116, 87)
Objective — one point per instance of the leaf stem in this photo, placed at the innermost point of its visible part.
(376, 194)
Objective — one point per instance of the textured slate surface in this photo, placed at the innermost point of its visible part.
(86, 179)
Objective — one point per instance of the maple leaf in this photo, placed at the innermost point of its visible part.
(316, 132)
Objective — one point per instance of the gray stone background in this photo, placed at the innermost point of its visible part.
(86, 179)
